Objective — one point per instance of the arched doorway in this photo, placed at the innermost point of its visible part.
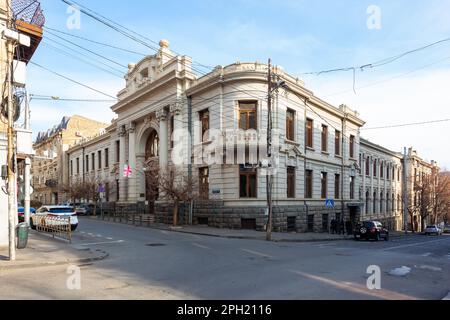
(152, 169)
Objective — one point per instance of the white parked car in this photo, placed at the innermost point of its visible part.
(447, 228)
(433, 229)
(58, 211)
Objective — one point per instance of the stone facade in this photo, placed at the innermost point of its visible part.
(50, 164)
(199, 125)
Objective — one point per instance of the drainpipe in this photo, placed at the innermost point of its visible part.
(304, 159)
(343, 166)
(190, 154)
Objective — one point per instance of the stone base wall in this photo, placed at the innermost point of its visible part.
(285, 218)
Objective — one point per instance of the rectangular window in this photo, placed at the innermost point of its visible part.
(204, 183)
(352, 147)
(172, 130)
(324, 138)
(337, 143)
(78, 165)
(324, 185)
(93, 162)
(290, 125)
(309, 133)
(352, 188)
(247, 115)
(204, 120)
(381, 169)
(87, 163)
(308, 184)
(337, 186)
(375, 173)
(248, 183)
(368, 166)
(71, 167)
(106, 158)
(291, 182)
(99, 160)
(117, 151)
(107, 191)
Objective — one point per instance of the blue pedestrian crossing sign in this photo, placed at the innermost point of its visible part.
(330, 203)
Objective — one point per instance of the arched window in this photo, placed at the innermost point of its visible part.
(152, 146)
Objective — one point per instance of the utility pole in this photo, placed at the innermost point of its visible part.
(27, 173)
(269, 154)
(12, 210)
(405, 190)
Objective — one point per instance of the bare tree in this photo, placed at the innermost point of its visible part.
(177, 186)
(442, 199)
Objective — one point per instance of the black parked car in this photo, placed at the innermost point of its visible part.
(371, 230)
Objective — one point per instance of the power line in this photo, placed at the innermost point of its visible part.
(380, 62)
(88, 50)
(72, 80)
(407, 124)
(80, 59)
(95, 42)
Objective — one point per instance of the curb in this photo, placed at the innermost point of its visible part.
(19, 266)
(246, 237)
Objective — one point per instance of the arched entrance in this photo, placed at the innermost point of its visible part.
(152, 168)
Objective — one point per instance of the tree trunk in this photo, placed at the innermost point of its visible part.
(175, 213)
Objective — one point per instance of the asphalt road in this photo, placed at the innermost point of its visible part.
(154, 264)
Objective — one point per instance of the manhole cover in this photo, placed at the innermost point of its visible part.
(155, 245)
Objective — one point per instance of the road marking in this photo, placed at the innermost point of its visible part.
(82, 232)
(355, 287)
(414, 244)
(109, 238)
(99, 243)
(257, 253)
(200, 246)
(99, 236)
(164, 232)
(427, 254)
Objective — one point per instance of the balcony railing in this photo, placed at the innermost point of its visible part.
(29, 11)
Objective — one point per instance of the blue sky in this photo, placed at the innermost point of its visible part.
(300, 35)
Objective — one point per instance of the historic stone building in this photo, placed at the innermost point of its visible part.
(214, 129)
(50, 161)
(166, 114)
(381, 189)
(418, 173)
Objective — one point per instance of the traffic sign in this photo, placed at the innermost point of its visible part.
(329, 203)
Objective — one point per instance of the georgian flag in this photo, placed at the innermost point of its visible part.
(127, 171)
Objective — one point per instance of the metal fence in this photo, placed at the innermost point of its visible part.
(59, 227)
(138, 214)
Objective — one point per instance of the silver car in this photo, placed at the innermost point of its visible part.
(433, 230)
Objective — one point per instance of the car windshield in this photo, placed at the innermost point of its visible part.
(431, 227)
(60, 210)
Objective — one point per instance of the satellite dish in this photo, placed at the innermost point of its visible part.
(16, 107)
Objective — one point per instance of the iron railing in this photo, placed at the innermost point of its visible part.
(59, 227)
(29, 11)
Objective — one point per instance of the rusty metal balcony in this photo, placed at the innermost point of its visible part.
(29, 20)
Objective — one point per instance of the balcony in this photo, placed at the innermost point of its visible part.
(29, 20)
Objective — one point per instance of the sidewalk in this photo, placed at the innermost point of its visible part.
(44, 251)
(253, 235)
